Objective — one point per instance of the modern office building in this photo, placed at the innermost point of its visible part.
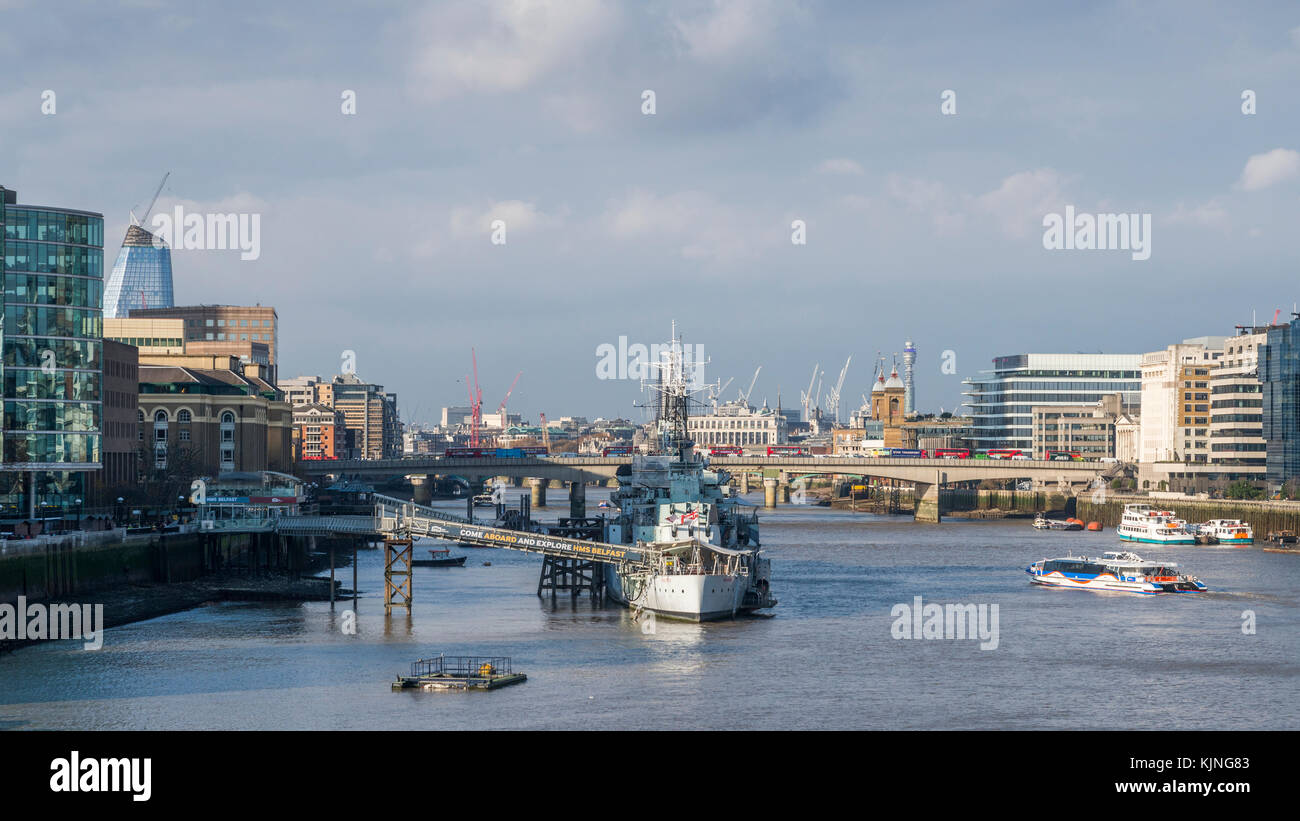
(52, 355)
(1279, 373)
(121, 442)
(234, 326)
(1002, 400)
(1236, 408)
(1088, 430)
(370, 416)
(141, 277)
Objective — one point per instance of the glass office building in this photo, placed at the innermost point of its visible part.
(51, 339)
(1279, 373)
(141, 277)
(1002, 400)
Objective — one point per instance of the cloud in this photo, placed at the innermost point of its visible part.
(697, 224)
(503, 45)
(1208, 214)
(469, 221)
(731, 28)
(1269, 168)
(1019, 203)
(839, 165)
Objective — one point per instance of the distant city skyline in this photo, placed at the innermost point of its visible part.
(920, 172)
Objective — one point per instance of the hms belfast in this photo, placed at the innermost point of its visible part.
(671, 504)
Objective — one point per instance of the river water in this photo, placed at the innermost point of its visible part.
(825, 659)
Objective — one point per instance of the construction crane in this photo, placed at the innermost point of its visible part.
(546, 434)
(806, 397)
(744, 397)
(152, 202)
(475, 402)
(834, 399)
(501, 409)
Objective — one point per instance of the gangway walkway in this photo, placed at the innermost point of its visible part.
(402, 519)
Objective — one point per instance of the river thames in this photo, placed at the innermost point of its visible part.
(825, 659)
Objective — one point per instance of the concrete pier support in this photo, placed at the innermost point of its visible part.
(927, 502)
(422, 489)
(744, 482)
(577, 500)
(517, 481)
(539, 492)
(785, 491)
(769, 493)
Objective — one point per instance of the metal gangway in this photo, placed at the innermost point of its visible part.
(396, 518)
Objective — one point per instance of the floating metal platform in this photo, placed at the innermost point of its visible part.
(459, 673)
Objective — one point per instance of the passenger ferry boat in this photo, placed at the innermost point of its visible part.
(1115, 571)
(1229, 531)
(1143, 523)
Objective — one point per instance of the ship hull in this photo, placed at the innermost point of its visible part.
(693, 598)
(1157, 540)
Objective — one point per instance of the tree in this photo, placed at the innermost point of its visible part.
(1243, 489)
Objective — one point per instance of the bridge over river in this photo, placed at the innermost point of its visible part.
(775, 472)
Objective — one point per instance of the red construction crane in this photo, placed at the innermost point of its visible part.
(501, 409)
(475, 402)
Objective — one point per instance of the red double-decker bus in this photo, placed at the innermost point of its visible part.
(788, 450)
(1005, 453)
(617, 450)
(467, 453)
(727, 450)
(952, 453)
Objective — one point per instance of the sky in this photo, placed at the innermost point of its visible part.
(919, 146)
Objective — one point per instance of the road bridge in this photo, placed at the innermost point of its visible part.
(926, 475)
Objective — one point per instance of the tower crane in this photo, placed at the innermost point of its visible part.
(475, 402)
(501, 409)
(835, 392)
(744, 397)
(152, 202)
(806, 397)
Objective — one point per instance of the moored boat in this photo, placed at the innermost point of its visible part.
(1144, 523)
(1115, 571)
(1228, 531)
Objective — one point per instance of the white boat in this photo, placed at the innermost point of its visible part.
(1229, 531)
(1144, 523)
(1115, 571)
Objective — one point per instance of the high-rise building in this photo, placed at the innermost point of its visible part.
(52, 354)
(1002, 401)
(370, 416)
(1279, 373)
(1176, 401)
(909, 375)
(141, 277)
(1236, 408)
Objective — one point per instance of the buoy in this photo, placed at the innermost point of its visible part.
(1094, 525)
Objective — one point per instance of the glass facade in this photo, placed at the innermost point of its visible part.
(1002, 400)
(1279, 371)
(141, 277)
(51, 363)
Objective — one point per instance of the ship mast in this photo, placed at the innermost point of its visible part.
(674, 394)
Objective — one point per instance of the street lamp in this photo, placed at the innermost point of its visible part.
(180, 502)
(120, 500)
(78, 514)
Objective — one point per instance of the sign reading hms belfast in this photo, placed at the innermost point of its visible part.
(704, 546)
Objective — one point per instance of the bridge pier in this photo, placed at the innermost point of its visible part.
(927, 502)
(539, 492)
(577, 500)
(769, 493)
(784, 484)
(744, 482)
(422, 489)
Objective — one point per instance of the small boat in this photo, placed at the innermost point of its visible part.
(1115, 571)
(1282, 537)
(439, 557)
(1228, 531)
(1043, 523)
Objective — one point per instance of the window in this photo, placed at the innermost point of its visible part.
(185, 436)
(183, 417)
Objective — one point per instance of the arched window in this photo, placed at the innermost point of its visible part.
(160, 416)
(183, 416)
(227, 418)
